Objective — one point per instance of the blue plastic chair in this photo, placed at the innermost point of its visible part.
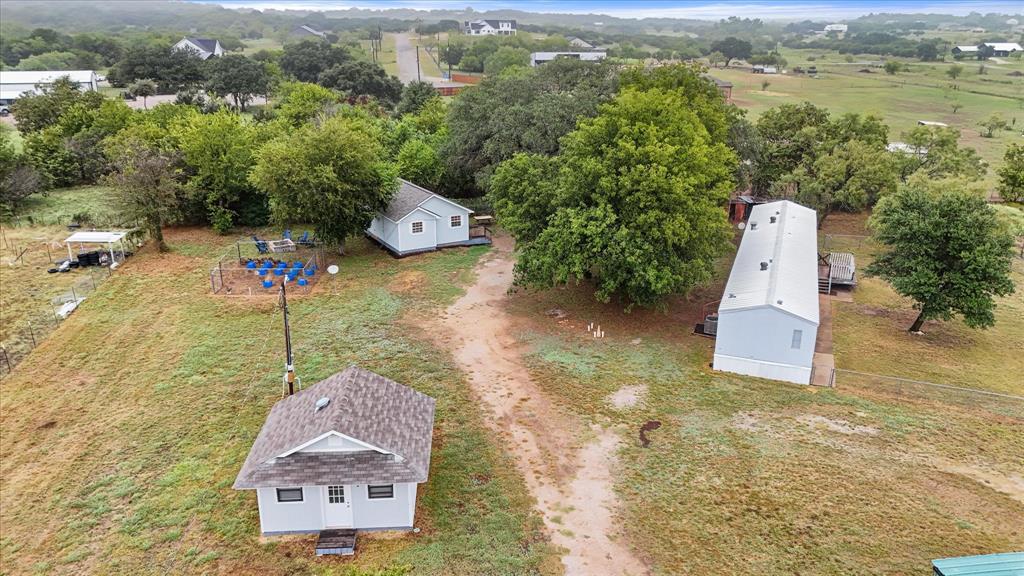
(304, 239)
(287, 234)
(261, 245)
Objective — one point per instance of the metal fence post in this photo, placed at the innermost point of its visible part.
(7, 360)
(32, 334)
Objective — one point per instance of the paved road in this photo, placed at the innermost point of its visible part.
(405, 52)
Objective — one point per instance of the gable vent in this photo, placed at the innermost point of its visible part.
(764, 266)
(753, 225)
(321, 404)
(773, 219)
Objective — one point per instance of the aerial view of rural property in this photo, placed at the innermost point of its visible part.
(496, 288)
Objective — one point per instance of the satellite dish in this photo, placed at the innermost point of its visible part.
(332, 269)
(741, 225)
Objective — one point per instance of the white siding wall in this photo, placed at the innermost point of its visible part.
(396, 512)
(758, 342)
(305, 516)
(408, 241)
(445, 233)
(385, 231)
(308, 515)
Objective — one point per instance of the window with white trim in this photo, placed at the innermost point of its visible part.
(335, 494)
(456, 221)
(417, 227)
(289, 494)
(798, 336)
(382, 491)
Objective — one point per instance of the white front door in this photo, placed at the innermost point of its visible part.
(337, 507)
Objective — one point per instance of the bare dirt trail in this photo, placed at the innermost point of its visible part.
(568, 467)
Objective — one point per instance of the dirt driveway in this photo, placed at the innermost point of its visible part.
(568, 466)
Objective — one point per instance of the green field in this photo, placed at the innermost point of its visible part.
(387, 57)
(923, 93)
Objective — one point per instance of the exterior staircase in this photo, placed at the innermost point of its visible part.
(341, 542)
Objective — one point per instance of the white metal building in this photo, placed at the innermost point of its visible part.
(768, 316)
(14, 83)
(538, 58)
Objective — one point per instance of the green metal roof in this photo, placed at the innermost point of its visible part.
(1007, 564)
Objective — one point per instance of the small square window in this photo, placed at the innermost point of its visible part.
(289, 494)
(798, 335)
(384, 491)
(457, 221)
(336, 494)
(417, 227)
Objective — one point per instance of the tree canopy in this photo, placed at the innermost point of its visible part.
(306, 60)
(239, 77)
(1011, 174)
(945, 249)
(333, 176)
(634, 200)
(359, 78)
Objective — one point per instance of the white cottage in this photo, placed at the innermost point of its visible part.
(417, 220)
(345, 453)
(768, 316)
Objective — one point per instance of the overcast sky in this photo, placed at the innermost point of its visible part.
(789, 10)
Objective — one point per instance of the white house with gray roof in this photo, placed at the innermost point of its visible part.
(203, 48)
(768, 315)
(418, 220)
(489, 27)
(346, 453)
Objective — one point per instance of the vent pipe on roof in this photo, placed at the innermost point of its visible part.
(764, 266)
(773, 219)
(753, 225)
(321, 404)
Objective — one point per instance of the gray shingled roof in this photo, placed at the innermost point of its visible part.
(207, 44)
(406, 199)
(364, 406)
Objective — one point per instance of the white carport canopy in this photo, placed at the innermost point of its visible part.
(98, 237)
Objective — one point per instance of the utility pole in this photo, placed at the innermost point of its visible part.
(418, 78)
(289, 362)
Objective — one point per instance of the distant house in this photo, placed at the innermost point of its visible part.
(840, 28)
(418, 220)
(724, 87)
(997, 49)
(932, 123)
(907, 149)
(204, 48)
(1003, 48)
(767, 320)
(346, 453)
(15, 83)
(577, 42)
(764, 69)
(961, 51)
(489, 27)
(538, 58)
(304, 32)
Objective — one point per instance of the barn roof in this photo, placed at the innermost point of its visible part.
(789, 247)
(394, 421)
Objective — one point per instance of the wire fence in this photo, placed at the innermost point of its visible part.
(39, 315)
(923, 392)
(245, 271)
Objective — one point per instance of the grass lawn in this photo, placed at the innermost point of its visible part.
(28, 290)
(427, 65)
(254, 45)
(751, 476)
(122, 432)
(387, 57)
(17, 140)
(870, 333)
(923, 93)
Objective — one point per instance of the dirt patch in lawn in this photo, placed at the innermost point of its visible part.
(627, 396)
(568, 466)
(407, 281)
(816, 422)
(1012, 485)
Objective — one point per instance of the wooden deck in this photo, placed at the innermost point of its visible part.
(339, 541)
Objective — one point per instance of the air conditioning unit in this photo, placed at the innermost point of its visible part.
(711, 324)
